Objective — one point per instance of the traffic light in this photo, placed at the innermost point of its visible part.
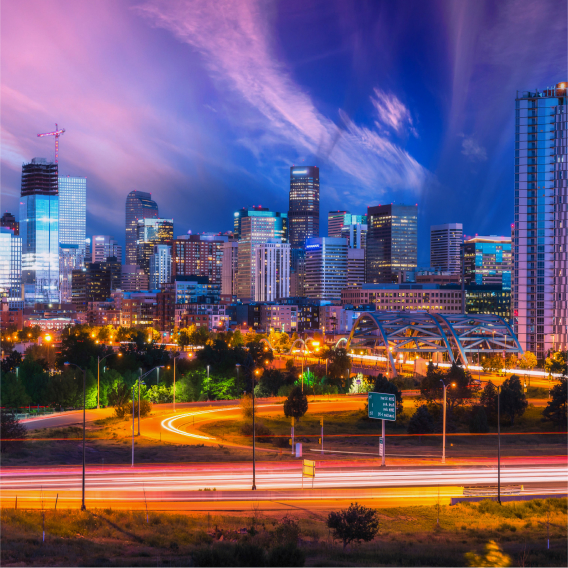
(290, 441)
(321, 421)
(319, 441)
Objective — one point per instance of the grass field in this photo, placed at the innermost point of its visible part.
(408, 536)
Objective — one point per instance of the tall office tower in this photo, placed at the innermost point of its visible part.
(303, 211)
(70, 258)
(39, 229)
(326, 268)
(258, 211)
(11, 267)
(9, 222)
(256, 228)
(297, 271)
(199, 255)
(152, 232)
(160, 266)
(95, 282)
(230, 268)
(540, 291)
(133, 278)
(335, 223)
(73, 211)
(391, 242)
(445, 243)
(139, 205)
(487, 260)
(103, 247)
(272, 271)
(355, 230)
(355, 267)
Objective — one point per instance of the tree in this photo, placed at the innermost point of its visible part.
(35, 379)
(338, 366)
(555, 410)
(492, 364)
(421, 422)
(246, 407)
(11, 362)
(296, 404)
(382, 384)
(354, 524)
(494, 556)
(513, 401)
(11, 430)
(557, 362)
(66, 389)
(459, 386)
(527, 361)
(488, 400)
(13, 392)
(478, 420)
(79, 346)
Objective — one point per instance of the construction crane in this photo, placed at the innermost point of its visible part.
(57, 133)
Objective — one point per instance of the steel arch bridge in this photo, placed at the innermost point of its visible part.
(457, 336)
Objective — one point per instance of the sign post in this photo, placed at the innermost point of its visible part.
(382, 406)
(308, 470)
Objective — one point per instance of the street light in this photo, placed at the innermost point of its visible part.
(444, 423)
(67, 364)
(256, 372)
(99, 375)
(174, 364)
(140, 382)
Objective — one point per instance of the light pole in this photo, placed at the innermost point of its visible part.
(444, 424)
(99, 359)
(175, 381)
(499, 444)
(83, 508)
(256, 372)
(140, 382)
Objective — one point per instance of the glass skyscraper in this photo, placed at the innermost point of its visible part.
(73, 211)
(487, 260)
(391, 242)
(39, 229)
(139, 205)
(11, 267)
(540, 280)
(152, 232)
(303, 213)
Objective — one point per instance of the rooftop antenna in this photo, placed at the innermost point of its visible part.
(57, 133)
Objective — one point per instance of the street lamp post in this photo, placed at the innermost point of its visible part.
(139, 383)
(444, 424)
(499, 444)
(83, 508)
(99, 359)
(253, 436)
(175, 381)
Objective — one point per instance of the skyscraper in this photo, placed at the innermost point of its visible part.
(303, 214)
(70, 258)
(11, 267)
(335, 221)
(391, 242)
(152, 232)
(199, 255)
(160, 266)
(139, 205)
(445, 243)
(230, 268)
(73, 211)
(103, 247)
(487, 260)
(326, 268)
(257, 227)
(540, 275)
(9, 221)
(272, 271)
(39, 229)
(355, 230)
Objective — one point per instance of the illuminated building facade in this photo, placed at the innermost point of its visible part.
(11, 268)
(487, 261)
(445, 243)
(326, 268)
(272, 271)
(152, 232)
(303, 213)
(139, 205)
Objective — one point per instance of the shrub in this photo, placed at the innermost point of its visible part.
(125, 409)
(296, 404)
(215, 556)
(354, 524)
(555, 411)
(246, 407)
(478, 420)
(260, 430)
(285, 390)
(287, 530)
(248, 554)
(286, 555)
(421, 421)
(11, 429)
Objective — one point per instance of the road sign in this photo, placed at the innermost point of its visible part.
(309, 468)
(382, 406)
(381, 447)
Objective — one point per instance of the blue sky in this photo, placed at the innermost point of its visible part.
(207, 104)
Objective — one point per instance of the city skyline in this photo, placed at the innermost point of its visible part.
(411, 131)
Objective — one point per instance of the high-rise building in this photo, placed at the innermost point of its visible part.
(103, 247)
(152, 232)
(540, 256)
(230, 268)
(272, 271)
(95, 282)
(303, 213)
(160, 266)
(11, 268)
(256, 227)
(335, 221)
(297, 271)
(9, 222)
(487, 261)
(445, 243)
(73, 211)
(70, 258)
(355, 230)
(139, 205)
(39, 229)
(391, 242)
(200, 255)
(259, 211)
(355, 267)
(326, 268)
(133, 278)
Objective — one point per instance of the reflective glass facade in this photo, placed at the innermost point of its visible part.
(11, 267)
(445, 243)
(487, 261)
(303, 213)
(70, 258)
(540, 282)
(139, 205)
(326, 268)
(391, 242)
(73, 211)
(152, 232)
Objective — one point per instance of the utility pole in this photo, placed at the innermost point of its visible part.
(133, 398)
(499, 444)
(321, 422)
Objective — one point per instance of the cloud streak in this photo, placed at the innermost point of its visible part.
(233, 38)
(392, 113)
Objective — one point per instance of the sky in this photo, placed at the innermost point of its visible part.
(207, 104)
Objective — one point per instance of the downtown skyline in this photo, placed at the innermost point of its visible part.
(421, 114)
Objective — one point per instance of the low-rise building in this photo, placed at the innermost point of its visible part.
(279, 318)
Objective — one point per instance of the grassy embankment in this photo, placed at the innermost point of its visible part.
(408, 536)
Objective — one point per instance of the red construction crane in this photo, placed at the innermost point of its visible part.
(57, 133)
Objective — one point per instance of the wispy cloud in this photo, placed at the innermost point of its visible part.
(392, 113)
(473, 150)
(233, 38)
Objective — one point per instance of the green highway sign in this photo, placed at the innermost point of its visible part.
(382, 406)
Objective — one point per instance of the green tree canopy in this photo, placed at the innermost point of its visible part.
(296, 405)
(555, 410)
(13, 392)
(421, 422)
(79, 347)
(354, 524)
(488, 400)
(557, 363)
(513, 400)
(460, 386)
(527, 361)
